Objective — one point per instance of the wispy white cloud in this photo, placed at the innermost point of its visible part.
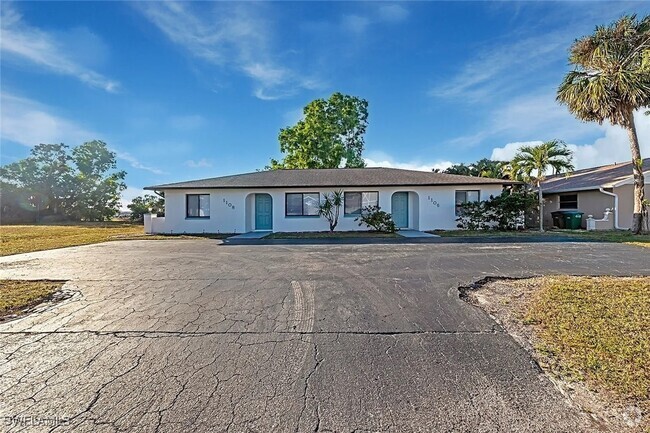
(510, 84)
(236, 36)
(528, 55)
(525, 118)
(355, 23)
(381, 159)
(25, 43)
(29, 123)
(612, 146)
(360, 22)
(497, 69)
(392, 12)
(135, 162)
(201, 163)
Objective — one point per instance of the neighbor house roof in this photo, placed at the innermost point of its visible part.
(334, 177)
(605, 176)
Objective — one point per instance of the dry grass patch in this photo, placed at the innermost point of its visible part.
(591, 334)
(17, 296)
(598, 329)
(16, 239)
(617, 236)
(27, 238)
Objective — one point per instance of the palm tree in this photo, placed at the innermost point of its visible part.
(481, 168)
(611, 81)
(535, 161)
(512, 171)
(489, 168)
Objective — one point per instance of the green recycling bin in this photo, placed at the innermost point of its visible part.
(572, 219)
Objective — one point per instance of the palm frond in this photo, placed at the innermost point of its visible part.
(611, 78)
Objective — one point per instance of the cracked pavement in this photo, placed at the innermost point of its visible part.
(194, 335)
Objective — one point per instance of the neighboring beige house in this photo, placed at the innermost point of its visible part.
(592, 191)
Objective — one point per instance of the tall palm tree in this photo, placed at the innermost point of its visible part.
(535, 161)
(611, 81)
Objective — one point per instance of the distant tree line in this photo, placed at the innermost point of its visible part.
(147, 203)
(59, 183)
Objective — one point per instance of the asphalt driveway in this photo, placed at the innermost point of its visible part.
(193, 335)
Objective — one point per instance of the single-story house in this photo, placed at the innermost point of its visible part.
(288, 200)
(592, 191)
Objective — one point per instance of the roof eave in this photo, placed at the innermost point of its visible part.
(164, 187)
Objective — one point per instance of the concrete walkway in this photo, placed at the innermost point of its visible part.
(415, 234)
(251, 235)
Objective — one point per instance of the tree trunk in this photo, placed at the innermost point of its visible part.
(637, 170)
(541, 206)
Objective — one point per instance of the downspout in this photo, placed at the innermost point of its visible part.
(601, 189)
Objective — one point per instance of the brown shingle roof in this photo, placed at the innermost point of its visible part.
(334, 177)
(590, 178)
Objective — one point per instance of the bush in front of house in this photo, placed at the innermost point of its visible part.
(503, 212)
(376, 219)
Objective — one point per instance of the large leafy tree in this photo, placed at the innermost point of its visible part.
(535, 161)
(97, 184)
(611, 80)
(83, 184)
(44, 176)
(330, 134)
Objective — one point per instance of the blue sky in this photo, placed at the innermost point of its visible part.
(189, 90)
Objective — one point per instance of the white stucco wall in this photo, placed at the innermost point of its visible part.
(233, 210)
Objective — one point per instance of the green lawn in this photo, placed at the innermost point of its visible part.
(603, 236)
(331, 235)
(16, 239)
(16, 296)
(597, 328)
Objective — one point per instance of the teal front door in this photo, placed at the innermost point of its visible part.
(400, 209)
(263, 212)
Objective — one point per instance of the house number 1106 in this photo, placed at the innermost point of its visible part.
(230, 205)
(433, 202)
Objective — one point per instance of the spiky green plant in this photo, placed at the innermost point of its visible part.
(330, 208)
(534, 162)
(611, 80)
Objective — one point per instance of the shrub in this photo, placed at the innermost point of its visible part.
(504, 212)
(376, 219)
